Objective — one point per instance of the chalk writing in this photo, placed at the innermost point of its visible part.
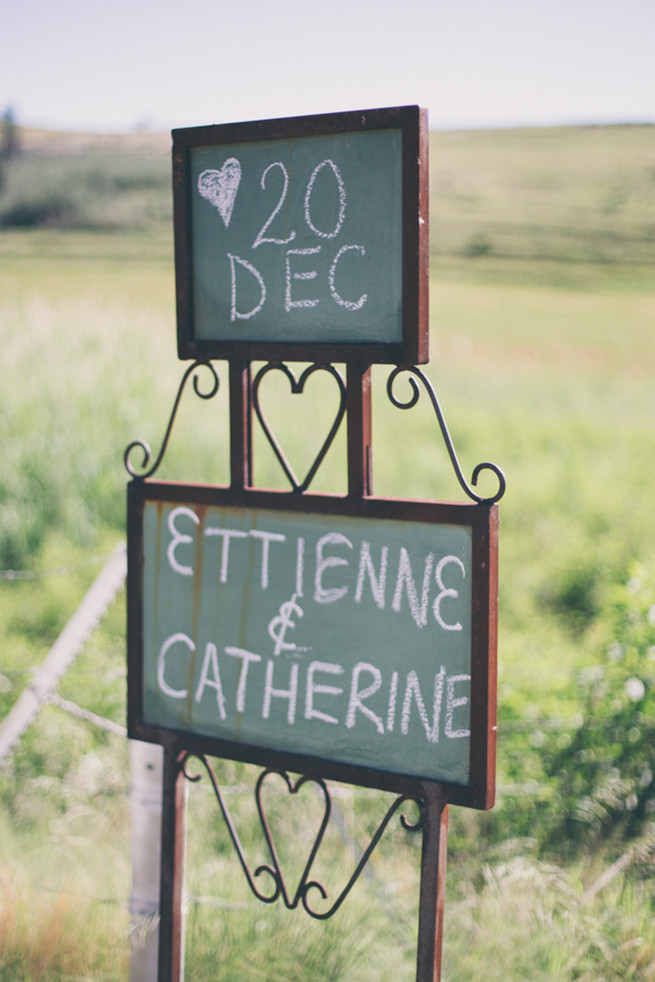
(348, 304)
(296, 236)
(254, 690)
(238, 314)
(261, 238)
(303, 632)
(413, 588)
(342, 199)
(279, 626)
(219, 188)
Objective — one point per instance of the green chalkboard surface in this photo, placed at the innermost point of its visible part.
(303, 232)
(354, 636)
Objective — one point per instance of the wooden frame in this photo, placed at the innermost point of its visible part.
(478, 791)
(412, 346)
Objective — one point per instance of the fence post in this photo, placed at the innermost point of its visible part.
(146, 774)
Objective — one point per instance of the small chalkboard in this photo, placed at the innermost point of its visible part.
(304, 238)
(352, 638)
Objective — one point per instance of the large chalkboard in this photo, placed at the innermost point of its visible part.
(303, 237)
(357, 636)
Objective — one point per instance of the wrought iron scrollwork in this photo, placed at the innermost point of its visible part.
(145, 472)
(416, 373)
(297, 385)
(273, 869)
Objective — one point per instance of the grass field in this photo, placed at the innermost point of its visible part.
(542, 353)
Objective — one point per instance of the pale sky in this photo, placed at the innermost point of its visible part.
(106, 65)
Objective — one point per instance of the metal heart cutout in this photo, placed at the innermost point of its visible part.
(219, 187)
(275, 870)
(297, 387)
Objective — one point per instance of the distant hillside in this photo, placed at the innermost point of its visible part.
(565, 193)
(54, 142)
(569, 193)
(86, 181)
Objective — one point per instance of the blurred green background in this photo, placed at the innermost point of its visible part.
(542, 328)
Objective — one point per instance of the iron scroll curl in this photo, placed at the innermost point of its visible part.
(414, 373)
(146, 472)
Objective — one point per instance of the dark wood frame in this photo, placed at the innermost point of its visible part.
(415, 234)
(483, 521)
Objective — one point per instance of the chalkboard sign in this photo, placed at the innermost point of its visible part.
(304, 238)
(357, 638)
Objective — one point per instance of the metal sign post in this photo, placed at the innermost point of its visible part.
(357, 628)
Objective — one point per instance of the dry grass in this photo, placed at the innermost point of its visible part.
(47, 937)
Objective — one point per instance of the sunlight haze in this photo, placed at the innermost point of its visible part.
(104, 67)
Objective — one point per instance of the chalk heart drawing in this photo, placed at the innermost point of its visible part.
(219, 187)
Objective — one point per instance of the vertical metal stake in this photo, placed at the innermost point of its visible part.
(173, 836)
(360, 461)
(240, 424)
(433, 885)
